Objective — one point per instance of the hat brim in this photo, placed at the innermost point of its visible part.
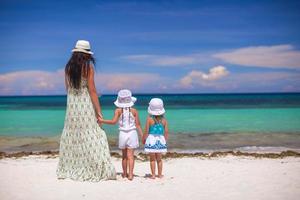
(125, 105)
(83, 51)
(133, 99)
(156, 112)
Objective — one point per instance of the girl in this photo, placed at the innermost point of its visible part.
(129, 124)
(156, 134)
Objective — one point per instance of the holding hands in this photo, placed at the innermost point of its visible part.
(99, 117)
(144, 138)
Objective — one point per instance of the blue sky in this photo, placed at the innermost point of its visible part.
(153, 46)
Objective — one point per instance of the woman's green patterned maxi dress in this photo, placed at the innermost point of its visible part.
(84, 153)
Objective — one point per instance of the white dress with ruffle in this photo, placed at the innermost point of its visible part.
(156, 142)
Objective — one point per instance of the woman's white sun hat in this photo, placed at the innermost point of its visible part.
(156, 107)
(83, 46)
(125, 99)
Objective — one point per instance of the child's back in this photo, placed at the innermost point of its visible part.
(127, 119)
(157, 125)
(156, 134)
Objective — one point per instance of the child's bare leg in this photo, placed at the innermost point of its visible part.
(124, 162)
(152, 165)
(159, 164)
(130, 157)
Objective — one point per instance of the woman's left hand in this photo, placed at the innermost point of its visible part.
(99, 115)
(99, 120)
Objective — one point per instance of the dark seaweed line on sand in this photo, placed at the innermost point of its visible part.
(144, 157)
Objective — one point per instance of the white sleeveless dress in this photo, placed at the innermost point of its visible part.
(84, 152)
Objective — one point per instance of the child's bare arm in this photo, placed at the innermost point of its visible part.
(138, 123)
(166, 130)
(146, 131)
(113, 120)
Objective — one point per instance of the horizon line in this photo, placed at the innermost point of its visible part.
(138, 94)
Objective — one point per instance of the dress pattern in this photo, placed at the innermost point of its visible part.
(84, 152)
(156, 142)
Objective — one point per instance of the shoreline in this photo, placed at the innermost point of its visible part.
(169, 155)
(179, 142)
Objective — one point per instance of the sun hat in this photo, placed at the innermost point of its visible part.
(156, 107)
(125, 99)
(83, 46)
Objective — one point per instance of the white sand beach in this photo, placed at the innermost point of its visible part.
(229, 177)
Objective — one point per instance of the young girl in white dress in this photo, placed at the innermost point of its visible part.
(129, 125)
(155, 136)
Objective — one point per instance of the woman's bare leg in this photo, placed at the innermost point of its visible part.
(159, 164)
(152, 165)
(124, 162)
(130, 157)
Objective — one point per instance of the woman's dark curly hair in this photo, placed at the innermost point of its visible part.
(77, 67)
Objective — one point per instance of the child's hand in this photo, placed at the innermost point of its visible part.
(166, 137)
(144, 139)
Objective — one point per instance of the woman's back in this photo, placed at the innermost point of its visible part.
(80, 111)
(84, 151)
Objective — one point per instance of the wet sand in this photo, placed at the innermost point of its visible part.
(181, 142)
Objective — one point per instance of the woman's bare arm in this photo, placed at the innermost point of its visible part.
(93, 93)
(66, 83)
(114, 119)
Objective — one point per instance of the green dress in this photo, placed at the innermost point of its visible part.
(84, 153)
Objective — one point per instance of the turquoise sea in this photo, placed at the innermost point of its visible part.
(197, 121)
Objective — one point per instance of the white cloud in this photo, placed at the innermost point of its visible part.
(31, 82)
(200, 78)
(278, 56)
(166, 60)
(262, 82)
(37, 82)
(248, 82)
(112, 82)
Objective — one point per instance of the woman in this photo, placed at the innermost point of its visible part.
(84, 153)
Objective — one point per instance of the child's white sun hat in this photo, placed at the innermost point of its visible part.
(125, 99)
(83, 46)
(156, 107)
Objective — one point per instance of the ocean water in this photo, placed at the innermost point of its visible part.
(196, 121)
